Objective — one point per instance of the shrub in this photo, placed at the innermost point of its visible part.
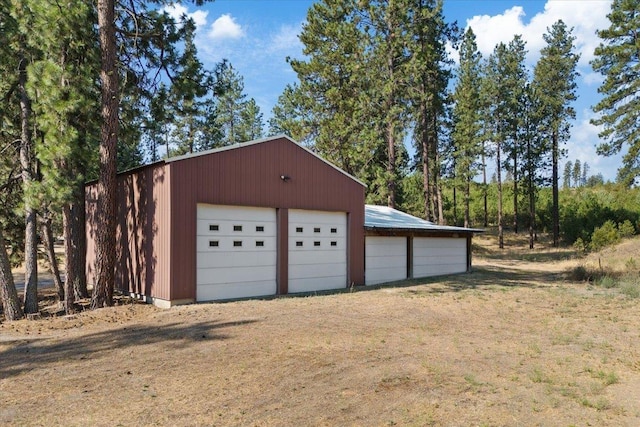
(630, 286)
(608, 282)
(604, 236)
(580, 274)
(580, 245)
(631, 264)
(626, 229)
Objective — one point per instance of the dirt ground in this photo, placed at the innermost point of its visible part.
(515, 343)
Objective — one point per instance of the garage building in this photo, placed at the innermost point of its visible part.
(267, 217)
(400, 246)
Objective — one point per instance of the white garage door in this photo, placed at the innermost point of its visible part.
(317, 250)
(236, 252)
(433, 256)
(385, 259)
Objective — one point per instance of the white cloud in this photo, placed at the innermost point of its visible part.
(584, 16)
(226, 27)
(592, 78)
(177, 11)
(286, 39)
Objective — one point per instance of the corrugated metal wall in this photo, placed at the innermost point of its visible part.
(251, 176)
(143, 239)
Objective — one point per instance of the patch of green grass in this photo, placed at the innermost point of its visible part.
(608, 378)
(537, 376)
(562, 339)
(535, 349)
(601, 404)
(473, 382)
(630, 287)
(607, 282)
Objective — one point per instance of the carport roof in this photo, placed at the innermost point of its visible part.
(386, 218)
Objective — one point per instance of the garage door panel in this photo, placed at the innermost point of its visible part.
(320, 244)
(439, 243)
(317, 250)
(438, 270)
(376, 276)
(212, 276)
(388, 262)
(236, 252)
(317, 270)
(438, 259)
(382, 250)
(385, 259)
(439, 256)
(226, 228)
(307, 231)
(315, 284)
(227, 244)
(312, 257)
(234, 290)
(234, 213)
(224, 259)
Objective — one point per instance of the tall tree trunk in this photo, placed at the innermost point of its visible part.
(73, 219)
(499, 177)
(8, 294)
(530, 190)
(515, 190)
(441, 220)
(426, 165)
(484, 186)
(31, 226)
(74, 222)
(467, 197)
(106, 209)
(455, 204)
(532, 212)
(391, 165)
(47, 240)
(437, 190)
(554, 179)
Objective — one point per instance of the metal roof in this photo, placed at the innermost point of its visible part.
(383, 217)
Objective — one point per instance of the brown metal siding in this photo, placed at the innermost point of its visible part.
(282, 276)
(142, 252)
(250, 176)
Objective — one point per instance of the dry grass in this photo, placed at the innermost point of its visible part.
(514, 343)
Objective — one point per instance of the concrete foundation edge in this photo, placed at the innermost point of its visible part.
(161, 303)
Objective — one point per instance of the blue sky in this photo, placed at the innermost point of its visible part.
(257, 36)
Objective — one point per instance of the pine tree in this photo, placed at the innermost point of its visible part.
(8, 294)
(568, 173)
(497, 117)
(554, 83)
(576, 173)
(334, 104)
(11, 226)
(288, 117)
(62, 81)
(251, 125)
(533, 161)
(585, 174)
(466, 117)
(617, 58)
(189, 84)
(231, 104)
(515, 83)
(106, 213)
(428, 37)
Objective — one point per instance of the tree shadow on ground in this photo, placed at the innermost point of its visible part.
(481, 277)
(23, 354)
